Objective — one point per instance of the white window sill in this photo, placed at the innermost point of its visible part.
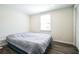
(45, 31)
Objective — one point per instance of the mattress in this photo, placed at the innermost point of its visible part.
(32, 43)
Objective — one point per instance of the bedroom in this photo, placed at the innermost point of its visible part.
(36, 22)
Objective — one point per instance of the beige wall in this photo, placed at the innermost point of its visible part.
(13, 21)
(62, 24)
(35, 23)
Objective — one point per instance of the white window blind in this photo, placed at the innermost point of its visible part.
(45, 22)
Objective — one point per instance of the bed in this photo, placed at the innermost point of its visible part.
(31, 43)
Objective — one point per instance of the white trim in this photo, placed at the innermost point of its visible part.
(64, 42)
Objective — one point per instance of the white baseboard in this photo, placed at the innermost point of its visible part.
(64, 42)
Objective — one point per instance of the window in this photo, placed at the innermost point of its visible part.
(45, 22)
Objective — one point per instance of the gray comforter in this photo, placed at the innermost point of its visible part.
(32, 43)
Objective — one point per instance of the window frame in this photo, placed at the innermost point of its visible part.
(50, 24)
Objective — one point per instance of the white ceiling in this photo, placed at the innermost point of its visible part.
(36, 8)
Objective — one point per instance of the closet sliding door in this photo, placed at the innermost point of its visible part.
(77, 27)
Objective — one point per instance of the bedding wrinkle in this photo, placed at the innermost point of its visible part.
(32, 43)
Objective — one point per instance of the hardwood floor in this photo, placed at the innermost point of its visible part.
(56, 48)
(61, 48)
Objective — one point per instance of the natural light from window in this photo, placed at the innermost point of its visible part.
(45, 22)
